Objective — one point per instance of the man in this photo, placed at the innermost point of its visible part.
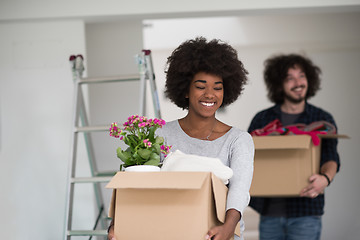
(291, 80)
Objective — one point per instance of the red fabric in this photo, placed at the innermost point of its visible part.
(314, 134)
(272, 126)
(314, 129)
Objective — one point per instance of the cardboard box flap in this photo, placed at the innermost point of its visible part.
(111, 213)
(220, 192)
(157, 180)
(282, 142)
(333, 136)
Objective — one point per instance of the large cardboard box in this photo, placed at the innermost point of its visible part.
(283, 164)
(166, 205)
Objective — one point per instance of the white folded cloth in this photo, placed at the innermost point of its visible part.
(179, 161)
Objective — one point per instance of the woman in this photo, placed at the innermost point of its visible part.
(202, 77)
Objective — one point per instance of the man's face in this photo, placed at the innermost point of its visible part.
(295, 85)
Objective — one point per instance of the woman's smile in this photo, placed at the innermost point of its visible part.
(208, 104)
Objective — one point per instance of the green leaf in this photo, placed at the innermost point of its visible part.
(138, 159)
(144, 153)
(152, 134)
(125, 157)
(159, 140)
(156, 148)
(120, 154)
(155, 156)
(126, 140)
(130, 162)
(132, 140)
(153, 162)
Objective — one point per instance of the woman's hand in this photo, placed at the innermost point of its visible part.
(222, 232)
(225, 231)
(111, 234)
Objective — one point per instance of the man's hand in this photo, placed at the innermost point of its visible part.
(319, 182)
(316, 186)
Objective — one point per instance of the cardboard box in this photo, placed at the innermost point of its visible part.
(283, 164)
(166, 205)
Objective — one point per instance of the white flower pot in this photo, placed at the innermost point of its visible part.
(142, 168)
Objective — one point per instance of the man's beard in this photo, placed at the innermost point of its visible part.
(292, 99)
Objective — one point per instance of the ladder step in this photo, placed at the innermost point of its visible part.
(110, 79)
(90, 179)
(92, 129)
(87, 233)
(106, 174)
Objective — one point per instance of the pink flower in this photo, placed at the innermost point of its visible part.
(114, 130)
(165, 149)
(141, 125)
(147, 143)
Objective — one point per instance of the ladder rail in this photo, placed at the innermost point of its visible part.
(142, 89)
(72, 165)
(151, 77)
(90, 153)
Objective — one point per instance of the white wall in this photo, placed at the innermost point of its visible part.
(36, 94)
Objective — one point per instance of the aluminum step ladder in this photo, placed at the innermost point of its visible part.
(81, 125)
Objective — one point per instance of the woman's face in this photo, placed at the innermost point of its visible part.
(206, 94)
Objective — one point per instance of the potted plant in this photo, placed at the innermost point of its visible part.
(144, 147)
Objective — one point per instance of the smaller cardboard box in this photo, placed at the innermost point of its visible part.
(166, 205)
(283, 164)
